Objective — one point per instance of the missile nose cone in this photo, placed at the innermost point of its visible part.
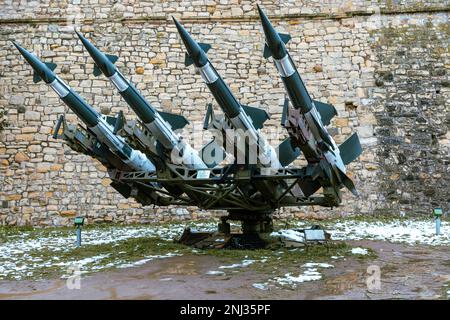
(22, 51)
(260, 11)
(42, 71)
(195, 52)
(273, 39)
(101, 60)
(16, 45)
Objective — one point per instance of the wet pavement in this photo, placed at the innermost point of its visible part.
(405, 272)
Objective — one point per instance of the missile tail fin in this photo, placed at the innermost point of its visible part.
(350, 149)
(326, 111)
(212, 153)
(176, 121)
(285, 37)
(348, 183)
(309, 186)
(97, 71)
(285, 113)
(111, 58)
(257, 115)
(120, 121)
(208, 117)
(267, 53)
(205, 46)
(322, 132)
(188, 60)
(61, 121)
(287, 154)
(37, 78)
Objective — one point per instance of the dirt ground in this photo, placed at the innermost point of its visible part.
(407, 272)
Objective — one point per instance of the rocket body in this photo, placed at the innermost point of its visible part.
(233, 110)
(177, 149)
(315, 141)
(91, 118)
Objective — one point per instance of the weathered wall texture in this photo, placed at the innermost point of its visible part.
(382, 64)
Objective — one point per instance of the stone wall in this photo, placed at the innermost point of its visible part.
(381, 63)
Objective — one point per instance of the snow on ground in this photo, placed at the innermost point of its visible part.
(361, 251)
(244, 263)
(396, 230)
(261, 286)
(147, 259)
(310, 273)
(320, 265)
(20, 253)
(215, 273)
(403, 231)
(289, 234)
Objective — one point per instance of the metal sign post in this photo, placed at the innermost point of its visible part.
(437, 216)
(79, 221)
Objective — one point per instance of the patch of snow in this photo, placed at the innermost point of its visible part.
(320, 265)
(402, 231)
(147, 259)
(361, 251)
(165, 279)
(289, 234)
(215, 273)
(308, 275)
(244, 263)
(261, 286)
(20, 253)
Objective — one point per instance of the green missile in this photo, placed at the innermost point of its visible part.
(93, 120)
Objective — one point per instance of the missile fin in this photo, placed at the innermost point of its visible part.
(208, 117)
(212, 153)
(350, 149)
(309, 186)
(323, 134)
(188, 60)
(50, 65)
(257, 115)
(175, 121)
(287, 154)
(97, 71)
(61, 121)
(122, 188)
(205, 46)
(327, 111)
(348, 183)
(267, 53)
(285, 113)
(112, 58)
(120, 121)
(285, 37)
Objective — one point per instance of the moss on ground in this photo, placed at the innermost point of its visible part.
(269, 261)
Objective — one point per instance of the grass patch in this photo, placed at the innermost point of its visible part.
(122, 252)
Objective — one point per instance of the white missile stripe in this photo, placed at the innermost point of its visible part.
(208, 74)
(285, 66)
(60, 87)
(137, 159)
(119, 82)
